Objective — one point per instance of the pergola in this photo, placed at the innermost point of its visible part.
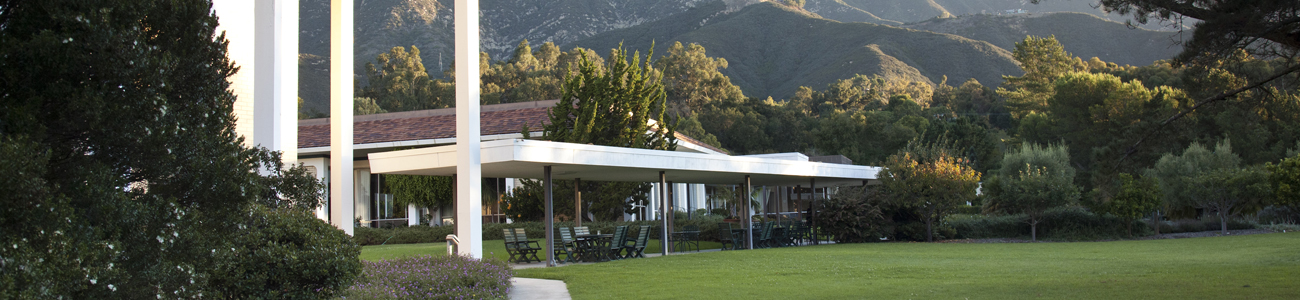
(554, 160)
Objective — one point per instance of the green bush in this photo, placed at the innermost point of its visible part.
(434, 277)
(852, 217)
(1204, 224)
(286, 254)
(1276, 214)
(1070, 223)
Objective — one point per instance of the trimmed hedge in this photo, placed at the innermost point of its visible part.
(434, 277)
(708, 225)
(1075, 224)
(1069, 223)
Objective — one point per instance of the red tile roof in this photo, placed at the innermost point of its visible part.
(427, 124)
(439, 123)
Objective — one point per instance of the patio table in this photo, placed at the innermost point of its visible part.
(683, 239)
(593, 247)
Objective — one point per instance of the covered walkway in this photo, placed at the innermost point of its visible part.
(519, 158)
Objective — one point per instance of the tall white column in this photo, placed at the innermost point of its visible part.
(469, 212)
(275, 107)
(341, 198)
(412, 215)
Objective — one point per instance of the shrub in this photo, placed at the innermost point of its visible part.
(1204, 224)
(433, 277)
(286, 254)
(1275, 214)
(852, 217)
(1070, 223)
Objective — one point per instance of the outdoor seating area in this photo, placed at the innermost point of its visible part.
(580, 244)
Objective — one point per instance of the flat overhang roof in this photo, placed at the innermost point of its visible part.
(519, 158)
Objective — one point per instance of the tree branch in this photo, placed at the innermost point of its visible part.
(1216, 98)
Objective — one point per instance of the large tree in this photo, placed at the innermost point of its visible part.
(1229, 192)
(121, 175)
(928, 178)
(1264, 28)
(1031, 181)
(398, 82)
(618, 104)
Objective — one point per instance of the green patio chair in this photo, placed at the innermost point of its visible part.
(564, 245)
(512, 244)
(726, 238)
(642, 238)
(526, 247)
(616, 243)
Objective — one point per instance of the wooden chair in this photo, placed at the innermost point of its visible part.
(564, 245)
(642, 238)
(581, 230)
(512, 244)
(616, 243)
(526, 247)
(725, 237)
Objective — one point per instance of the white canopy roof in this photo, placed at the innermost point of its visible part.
(519, 158)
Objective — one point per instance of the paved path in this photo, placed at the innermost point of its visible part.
(538, 289)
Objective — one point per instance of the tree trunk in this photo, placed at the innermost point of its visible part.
(1223, 222)
(1155, 221)
(1033, 231)
(929, 230)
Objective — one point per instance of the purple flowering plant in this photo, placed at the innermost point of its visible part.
(433, 277)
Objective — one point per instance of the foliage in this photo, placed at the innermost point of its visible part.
(1229, 192)
(852, 216)
(1155, 269)
(691, 78)
(1222, 26)
(1032, 181)
(1137, 197)
(1064, 223)
(1285, 178)
(124, 177)
(1178, 173)
(620, 104)
(927, 178)
(364, 106)
(423, 191)
(1044, 60)
(286, 254)
(434, 277)
(399, 82)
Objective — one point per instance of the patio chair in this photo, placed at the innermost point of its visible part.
(581, 230)
(564, 245)
(512, 244)
(526, 247)
(642, 238)
(616, 243)
(725, 237)
(764, 239)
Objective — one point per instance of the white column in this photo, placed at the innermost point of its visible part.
(275, 106)
(237, 20)
(469, 212)
(320, 167)
(341, 114)
(412, 215)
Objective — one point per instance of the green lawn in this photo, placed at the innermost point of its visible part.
(491, 248)
(1265, 266)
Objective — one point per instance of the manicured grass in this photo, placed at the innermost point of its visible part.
(1265, 266)
(491, 248)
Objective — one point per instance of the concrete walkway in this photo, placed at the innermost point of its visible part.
(538, 289)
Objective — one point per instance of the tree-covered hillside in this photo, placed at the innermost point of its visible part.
(1085, 35)
(774, 49)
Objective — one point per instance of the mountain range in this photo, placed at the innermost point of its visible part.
(772, 48)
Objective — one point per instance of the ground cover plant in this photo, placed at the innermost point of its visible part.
(1255, 266)
(433, 277)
